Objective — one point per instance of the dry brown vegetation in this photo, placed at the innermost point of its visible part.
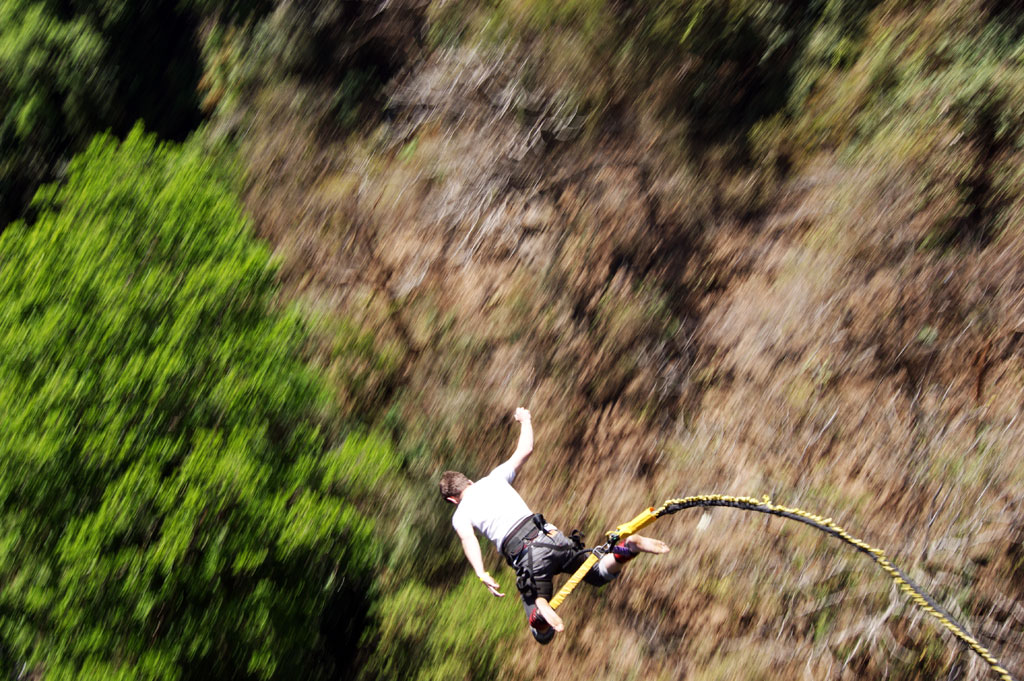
(682, 323)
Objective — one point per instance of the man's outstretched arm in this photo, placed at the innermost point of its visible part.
(525, 445)
(471, 548)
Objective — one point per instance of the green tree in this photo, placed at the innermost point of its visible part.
(52, 89)
(459, 631)
(70, 69)
(169, 504)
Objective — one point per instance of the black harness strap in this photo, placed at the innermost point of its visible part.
(521, 536)
(524, 539)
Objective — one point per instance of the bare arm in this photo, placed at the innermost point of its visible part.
(525, 445)
(471, 547)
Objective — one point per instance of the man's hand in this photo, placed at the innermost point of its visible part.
(525, 446)
(491, 585)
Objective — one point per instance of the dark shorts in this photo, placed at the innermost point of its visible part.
(538, 556)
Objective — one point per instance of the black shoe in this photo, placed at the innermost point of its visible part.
(541, 630)
(543, 636)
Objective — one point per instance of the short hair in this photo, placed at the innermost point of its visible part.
(453, 483)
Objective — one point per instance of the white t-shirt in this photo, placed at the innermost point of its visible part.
(491, 505)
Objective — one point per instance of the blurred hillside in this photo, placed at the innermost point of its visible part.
(738, 247)
(745, 247)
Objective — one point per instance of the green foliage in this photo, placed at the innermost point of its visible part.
(338, 55)
(364, 367)
(934, 108)
(167, 509)
(46, 98)
(354, 93)
(752, 41)
(831, 45)
(433, 635)
(52, 89)
(361, 464)
(717, 66)
(71, 69)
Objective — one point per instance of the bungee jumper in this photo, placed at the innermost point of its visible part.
(537, 550)
(534, 548)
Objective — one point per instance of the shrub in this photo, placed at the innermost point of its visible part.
(71, 69)
(164, 502)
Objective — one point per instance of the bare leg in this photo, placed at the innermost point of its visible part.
(637, 544)
(549, 614)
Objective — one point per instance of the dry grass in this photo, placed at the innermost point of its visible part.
(670, 343)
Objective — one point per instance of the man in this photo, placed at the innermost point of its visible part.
(535, 549)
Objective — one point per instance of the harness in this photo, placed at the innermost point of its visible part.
(520, 537)
(525, 539)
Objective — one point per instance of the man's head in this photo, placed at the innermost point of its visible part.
(453, 484)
